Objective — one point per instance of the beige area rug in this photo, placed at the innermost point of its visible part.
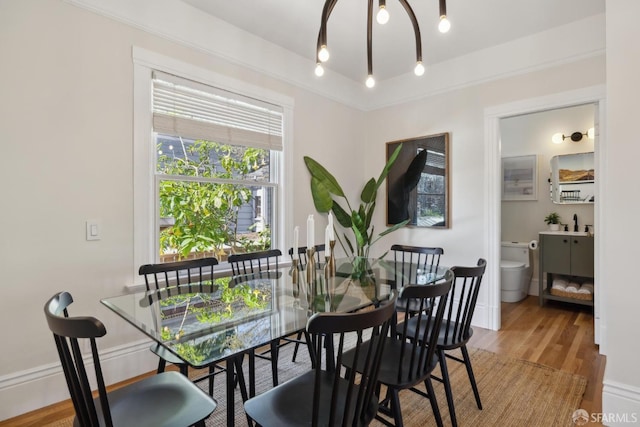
(513, 392)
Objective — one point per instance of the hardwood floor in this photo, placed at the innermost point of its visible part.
(558, 335)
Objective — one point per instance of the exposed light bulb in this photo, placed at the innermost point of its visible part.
(591, 133)
(383, 15)
(557, 138)
(370, 81)
(319, 70)
(323, 54)
(444, 24)
(419, 70)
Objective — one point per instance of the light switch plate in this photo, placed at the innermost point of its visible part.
(93, 229)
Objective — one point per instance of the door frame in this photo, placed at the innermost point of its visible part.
(492, 116)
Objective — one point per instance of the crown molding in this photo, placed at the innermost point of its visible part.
(181, 23)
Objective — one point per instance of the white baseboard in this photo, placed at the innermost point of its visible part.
(25, 391)
(620, 404)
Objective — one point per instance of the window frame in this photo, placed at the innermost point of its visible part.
(145, 203)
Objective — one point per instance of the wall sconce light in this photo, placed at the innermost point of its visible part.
(557, 138)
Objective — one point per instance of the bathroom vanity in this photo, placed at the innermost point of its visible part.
(569, 254)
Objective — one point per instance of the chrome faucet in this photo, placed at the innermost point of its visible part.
(575, 222)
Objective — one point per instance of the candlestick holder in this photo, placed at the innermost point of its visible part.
(311, 266)
(295, 278)
(331, 261)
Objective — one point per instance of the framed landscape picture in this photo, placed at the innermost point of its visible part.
(520, 178)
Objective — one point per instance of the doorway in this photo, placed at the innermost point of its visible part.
(593, 95)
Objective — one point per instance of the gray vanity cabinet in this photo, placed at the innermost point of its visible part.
(564, 254)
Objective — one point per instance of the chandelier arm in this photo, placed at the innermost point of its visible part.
(416, 28)
(322, 34)
(369, 38)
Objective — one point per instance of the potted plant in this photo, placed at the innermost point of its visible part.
(328, 196)
(553, 220)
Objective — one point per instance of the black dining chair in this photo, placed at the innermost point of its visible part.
(455, 330)
(410, 355)
(302, 258)
(252, 263)
(193, 272)
(408, 259)
(331, 397)
(166, 399)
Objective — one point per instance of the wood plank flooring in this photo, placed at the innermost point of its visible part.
(558, 335)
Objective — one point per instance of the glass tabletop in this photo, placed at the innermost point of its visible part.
(211, 321)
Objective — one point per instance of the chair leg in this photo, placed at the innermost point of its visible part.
(295, 348)
(212, 371)
(447, 387)
(312, 353)
(434, 402)
(161, 365)
(472, 378)
(395, 408)
(184, 370)
(274, 361)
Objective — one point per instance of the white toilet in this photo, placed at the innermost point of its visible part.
(515, 271)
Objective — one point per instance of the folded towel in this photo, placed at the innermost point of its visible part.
(572, 287)
(559, 283)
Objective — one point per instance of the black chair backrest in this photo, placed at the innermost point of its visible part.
(407, 259)
(193, 271)
(462, 301)
(416, 356)
(66, 332)
(302, 255)
(254, 262)
(350, 395)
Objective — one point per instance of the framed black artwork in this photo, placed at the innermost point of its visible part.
(418, 182)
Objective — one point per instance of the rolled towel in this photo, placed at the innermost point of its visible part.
(559, 283)
(572, 287)
(586, 288)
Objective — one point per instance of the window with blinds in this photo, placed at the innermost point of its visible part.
(216, 157)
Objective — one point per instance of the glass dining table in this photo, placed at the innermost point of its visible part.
(222, 319)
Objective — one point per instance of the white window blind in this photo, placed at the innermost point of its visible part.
(194, 110)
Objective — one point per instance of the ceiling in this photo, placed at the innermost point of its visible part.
(475, 25)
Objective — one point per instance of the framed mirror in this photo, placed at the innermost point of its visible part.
(572, 178)
(418, 182)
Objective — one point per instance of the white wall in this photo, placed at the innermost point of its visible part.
(461, 113)
(66, 134)
(621, 392)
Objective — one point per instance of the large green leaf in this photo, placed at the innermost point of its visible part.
(321, 196)
(343, 218)
(387, 167)
(395, 227)
(369, 191)
(319, 172)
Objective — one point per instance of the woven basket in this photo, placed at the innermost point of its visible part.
(574, 295)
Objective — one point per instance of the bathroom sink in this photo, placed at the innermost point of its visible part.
(566, 233)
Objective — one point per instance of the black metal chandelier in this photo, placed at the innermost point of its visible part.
(322, 53)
